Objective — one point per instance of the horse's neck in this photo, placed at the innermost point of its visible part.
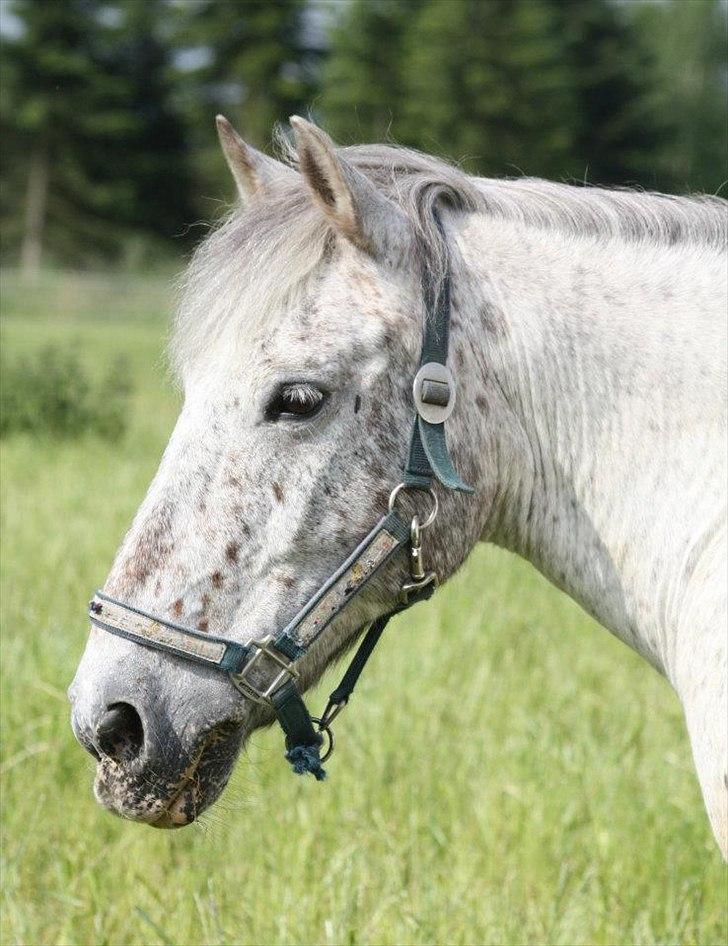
(602, 406)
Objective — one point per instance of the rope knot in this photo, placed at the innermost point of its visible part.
(306, 759)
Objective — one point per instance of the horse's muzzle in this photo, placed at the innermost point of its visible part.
(144, 773)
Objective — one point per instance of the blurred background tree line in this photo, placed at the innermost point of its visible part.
(109, 155)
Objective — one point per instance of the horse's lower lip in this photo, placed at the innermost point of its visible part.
(182, 811)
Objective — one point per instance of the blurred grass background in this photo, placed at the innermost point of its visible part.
(528, 780)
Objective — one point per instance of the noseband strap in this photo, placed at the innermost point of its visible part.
(265, 669)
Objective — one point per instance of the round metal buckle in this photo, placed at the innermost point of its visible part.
(431, 493)
(434, 392)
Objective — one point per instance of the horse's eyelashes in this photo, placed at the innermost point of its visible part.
(296, 401)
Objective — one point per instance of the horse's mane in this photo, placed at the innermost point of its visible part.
(258, 256)
(583, 210)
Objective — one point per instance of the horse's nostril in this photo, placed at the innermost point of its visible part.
(119, 733)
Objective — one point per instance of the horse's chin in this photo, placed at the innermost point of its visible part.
(170, 800)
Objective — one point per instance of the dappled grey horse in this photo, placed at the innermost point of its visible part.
(587, 349)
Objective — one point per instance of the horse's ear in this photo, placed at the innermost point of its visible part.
(350, 201)
(253, 171)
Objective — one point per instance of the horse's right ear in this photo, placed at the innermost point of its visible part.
(253, 172)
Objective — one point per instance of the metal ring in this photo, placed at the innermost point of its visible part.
(329, 735)
(430, 491)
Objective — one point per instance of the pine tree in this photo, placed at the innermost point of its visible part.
(252, 65)
(92, 151)
(49, 107)
(252, 61)
(155, 156)
(363, 89)
(488, 83)
(689, 42)
(617, 131)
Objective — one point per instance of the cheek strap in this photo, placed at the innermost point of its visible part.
(303, 742)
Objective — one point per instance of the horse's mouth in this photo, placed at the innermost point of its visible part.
(181, 811)
(142, 793)
(185, 804)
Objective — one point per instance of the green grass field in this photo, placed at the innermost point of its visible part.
(524, 779)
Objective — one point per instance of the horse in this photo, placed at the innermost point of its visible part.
(587, 343)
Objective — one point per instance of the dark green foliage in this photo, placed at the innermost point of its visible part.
(154, 154)
(548, 87)
(616, 129)
(688, 86)
(251, 62)
(364, 86)
(107, 106)
(53, 394)
(94, 151)
(489, 83)
(253, 53)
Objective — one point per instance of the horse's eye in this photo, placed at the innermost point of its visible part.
(296, 401)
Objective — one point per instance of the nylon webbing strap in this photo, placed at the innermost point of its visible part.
(389, 534)
(140, 626)
(428, 454)
(346, 687)
(303, 742)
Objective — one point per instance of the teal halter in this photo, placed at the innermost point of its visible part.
(264, 670)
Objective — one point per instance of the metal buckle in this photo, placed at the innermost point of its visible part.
(263, 647)
(420, 578)
(434, 392)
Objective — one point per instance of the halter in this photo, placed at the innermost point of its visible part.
(265, 670)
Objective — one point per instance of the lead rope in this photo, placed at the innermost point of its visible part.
(305, 755)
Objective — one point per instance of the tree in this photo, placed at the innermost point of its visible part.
(249, 61)
(688, 86)
(363, 88)
(90, 137)
(617, 130)
(47, 101)
(489, 83)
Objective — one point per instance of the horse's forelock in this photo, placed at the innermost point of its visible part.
(246, 268)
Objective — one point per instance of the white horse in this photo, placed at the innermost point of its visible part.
(588, 342)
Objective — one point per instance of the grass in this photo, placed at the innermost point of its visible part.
(523, 779)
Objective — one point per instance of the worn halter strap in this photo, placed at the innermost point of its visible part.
(434, 394)
(249, 665)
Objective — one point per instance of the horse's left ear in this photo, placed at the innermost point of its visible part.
(254, 173)
(351, 202)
